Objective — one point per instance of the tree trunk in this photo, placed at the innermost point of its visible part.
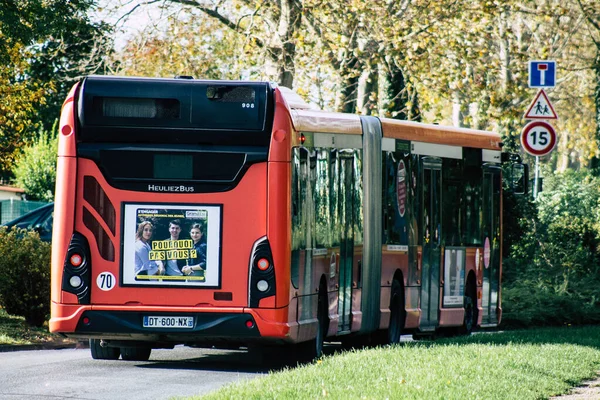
(457, 110)
(349, 71)
(346, 101)
(396, 100)
(367, 92)
(289, 23)
(368, 82)
(504, 53)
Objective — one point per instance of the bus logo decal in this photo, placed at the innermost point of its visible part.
(164, 188)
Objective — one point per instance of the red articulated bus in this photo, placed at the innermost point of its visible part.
(226, 213)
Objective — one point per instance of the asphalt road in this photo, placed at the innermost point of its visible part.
(73, 374)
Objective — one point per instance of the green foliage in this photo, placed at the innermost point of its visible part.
(571, 193)
(189, 45)
(552, 272)
(35, 169)
(25, 275)
(44, 47)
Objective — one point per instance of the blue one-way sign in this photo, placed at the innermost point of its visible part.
(542, 74)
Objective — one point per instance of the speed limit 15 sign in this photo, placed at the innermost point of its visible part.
(538, 138)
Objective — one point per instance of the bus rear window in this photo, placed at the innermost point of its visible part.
(174, 111)
(131, 107)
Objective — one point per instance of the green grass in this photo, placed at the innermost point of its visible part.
(533, 364)
(14, 331)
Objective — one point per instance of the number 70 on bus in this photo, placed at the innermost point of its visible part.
(538, 138)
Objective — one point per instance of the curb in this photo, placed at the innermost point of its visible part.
(43, 346)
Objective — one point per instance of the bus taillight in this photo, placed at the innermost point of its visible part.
(76, 260)
(262, 273)
(263, 264)
(76, 269)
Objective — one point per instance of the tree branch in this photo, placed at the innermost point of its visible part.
(588, 16)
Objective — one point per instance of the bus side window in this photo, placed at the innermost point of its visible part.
(453, 202)
(322, 200)
(299, 182)
(473, 211)
(334, 182)
(388, 172)
(357, 197)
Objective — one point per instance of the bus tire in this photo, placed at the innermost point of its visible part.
(397, 313)
(313, 349)
(469, 319)
(392, 334)
(103, 353)
(323, 319)
(136, 353)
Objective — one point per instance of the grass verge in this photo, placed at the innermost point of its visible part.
(532, 364)
(14, 331)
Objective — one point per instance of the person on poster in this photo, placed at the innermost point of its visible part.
(197, 265)
(174, 266)
(143, 265)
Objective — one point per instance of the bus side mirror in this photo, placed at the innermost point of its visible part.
(519, 178)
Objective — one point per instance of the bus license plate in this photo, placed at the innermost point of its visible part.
(168, 322)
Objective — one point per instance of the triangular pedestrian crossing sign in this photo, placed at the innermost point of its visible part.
(541, 108)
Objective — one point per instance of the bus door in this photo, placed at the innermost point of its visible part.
(432, 226)
(491, 243)
(346, 217)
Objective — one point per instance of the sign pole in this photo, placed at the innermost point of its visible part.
(539, 138)
(537, 173)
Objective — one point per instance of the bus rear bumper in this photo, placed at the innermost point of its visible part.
(241, 325)
(121, 324)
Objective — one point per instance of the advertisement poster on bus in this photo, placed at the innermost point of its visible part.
(171, 245)
(454, 277)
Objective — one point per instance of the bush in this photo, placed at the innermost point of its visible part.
(531, 303)
(552, 269)
(35, 169)
(25, 275)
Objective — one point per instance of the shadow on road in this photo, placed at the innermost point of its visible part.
(244, 360)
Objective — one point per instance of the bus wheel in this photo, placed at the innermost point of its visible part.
(313, 349)
(397, 313)
(103, 353)
(136, 353)
(469, 319)
(323, 318)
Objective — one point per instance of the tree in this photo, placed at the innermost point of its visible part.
(44, 47)
(20, 100)
(591, 12)
(270, 26)
(447, 62)
(188, 43)
(35, 169)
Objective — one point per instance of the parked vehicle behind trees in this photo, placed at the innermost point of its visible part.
(318, 225)
(38, 220)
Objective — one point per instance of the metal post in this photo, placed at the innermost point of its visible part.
(537, 173)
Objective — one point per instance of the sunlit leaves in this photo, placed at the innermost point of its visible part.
(35, 170)
(190, 44)
(20, 99)
(44, 47)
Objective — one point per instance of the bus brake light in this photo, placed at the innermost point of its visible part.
(263, 264)
(76, 260)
